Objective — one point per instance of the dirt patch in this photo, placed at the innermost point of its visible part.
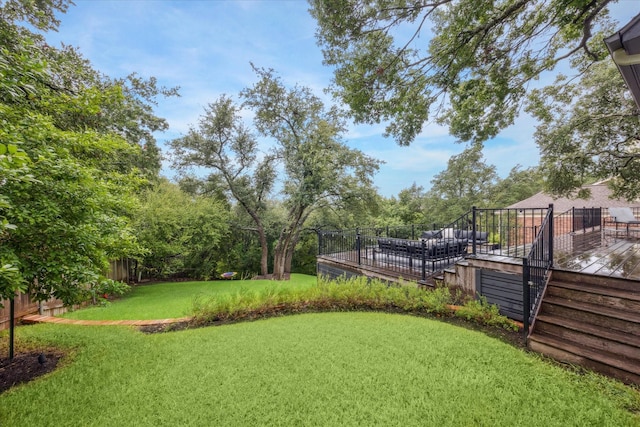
(164, 327)
(26, 367)
(287, 276)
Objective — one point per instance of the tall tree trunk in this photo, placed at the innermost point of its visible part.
(287, 242)
(264, 252)
(289, 254)
(280, 255)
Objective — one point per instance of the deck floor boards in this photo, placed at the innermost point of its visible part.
(602, 254)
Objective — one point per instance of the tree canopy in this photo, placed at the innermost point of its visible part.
(183, 233)
(317, 167)
(76, 148)
(589, 131)
(467, 63)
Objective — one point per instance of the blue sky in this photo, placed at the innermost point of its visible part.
(206, 47)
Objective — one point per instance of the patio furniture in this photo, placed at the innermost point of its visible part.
(431, 250)
(623, 216)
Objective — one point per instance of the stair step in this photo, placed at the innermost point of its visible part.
(633, 295)
(593, 336)
(628, 323)
(613, 299)
(627, 370)
(595, 280)
(598, 309)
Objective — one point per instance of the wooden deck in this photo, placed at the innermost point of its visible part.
(600, 253)
(596, 252)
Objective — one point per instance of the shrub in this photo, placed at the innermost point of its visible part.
(480, 311)
(342, 295)
(100, 291)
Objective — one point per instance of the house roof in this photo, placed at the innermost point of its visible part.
(600, 198)
(624, 47)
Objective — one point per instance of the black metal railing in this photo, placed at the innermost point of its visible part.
(415, 251)
(505, 232)
(533, 236)
(408, 251)
(585, 219)
(535, 269)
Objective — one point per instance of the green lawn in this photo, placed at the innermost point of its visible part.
(168, 300)
(312, 369)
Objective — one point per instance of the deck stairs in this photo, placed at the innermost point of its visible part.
(591, 321)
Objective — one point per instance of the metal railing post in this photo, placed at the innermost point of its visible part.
(320, 243)
(526, 299)
(473, 230)
(12, 325)
(358, 246)
(551, 237)
(424, 260)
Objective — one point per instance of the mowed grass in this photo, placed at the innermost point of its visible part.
(312, 369)
(175, 299)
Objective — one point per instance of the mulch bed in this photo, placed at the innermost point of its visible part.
(26, 367)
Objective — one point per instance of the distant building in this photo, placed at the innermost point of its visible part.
(600, 198)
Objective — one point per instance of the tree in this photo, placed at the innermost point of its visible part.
(69, 202)
(520, 184)
(466, 182)
(588, 131)
(472, 74)
(319, 168)
(224, 144)
(183, 234)
(409, 207)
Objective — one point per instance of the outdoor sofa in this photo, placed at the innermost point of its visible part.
(433, 245)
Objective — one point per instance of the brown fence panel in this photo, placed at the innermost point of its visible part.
(24, 306)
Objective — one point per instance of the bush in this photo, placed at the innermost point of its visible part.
(103, 289)
(480, 311)
(344, 295)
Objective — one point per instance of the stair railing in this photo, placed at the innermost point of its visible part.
(535, 269)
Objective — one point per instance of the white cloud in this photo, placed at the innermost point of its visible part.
(205, 48)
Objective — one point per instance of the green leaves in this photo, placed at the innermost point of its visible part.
(588, 131)
(71, 159)
(467, 64)
(183, 233)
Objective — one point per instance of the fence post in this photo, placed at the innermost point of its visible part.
(358, 246)
(526, 298)
(320, 243)
(551, 237)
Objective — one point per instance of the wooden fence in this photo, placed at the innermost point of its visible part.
(24, 306)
